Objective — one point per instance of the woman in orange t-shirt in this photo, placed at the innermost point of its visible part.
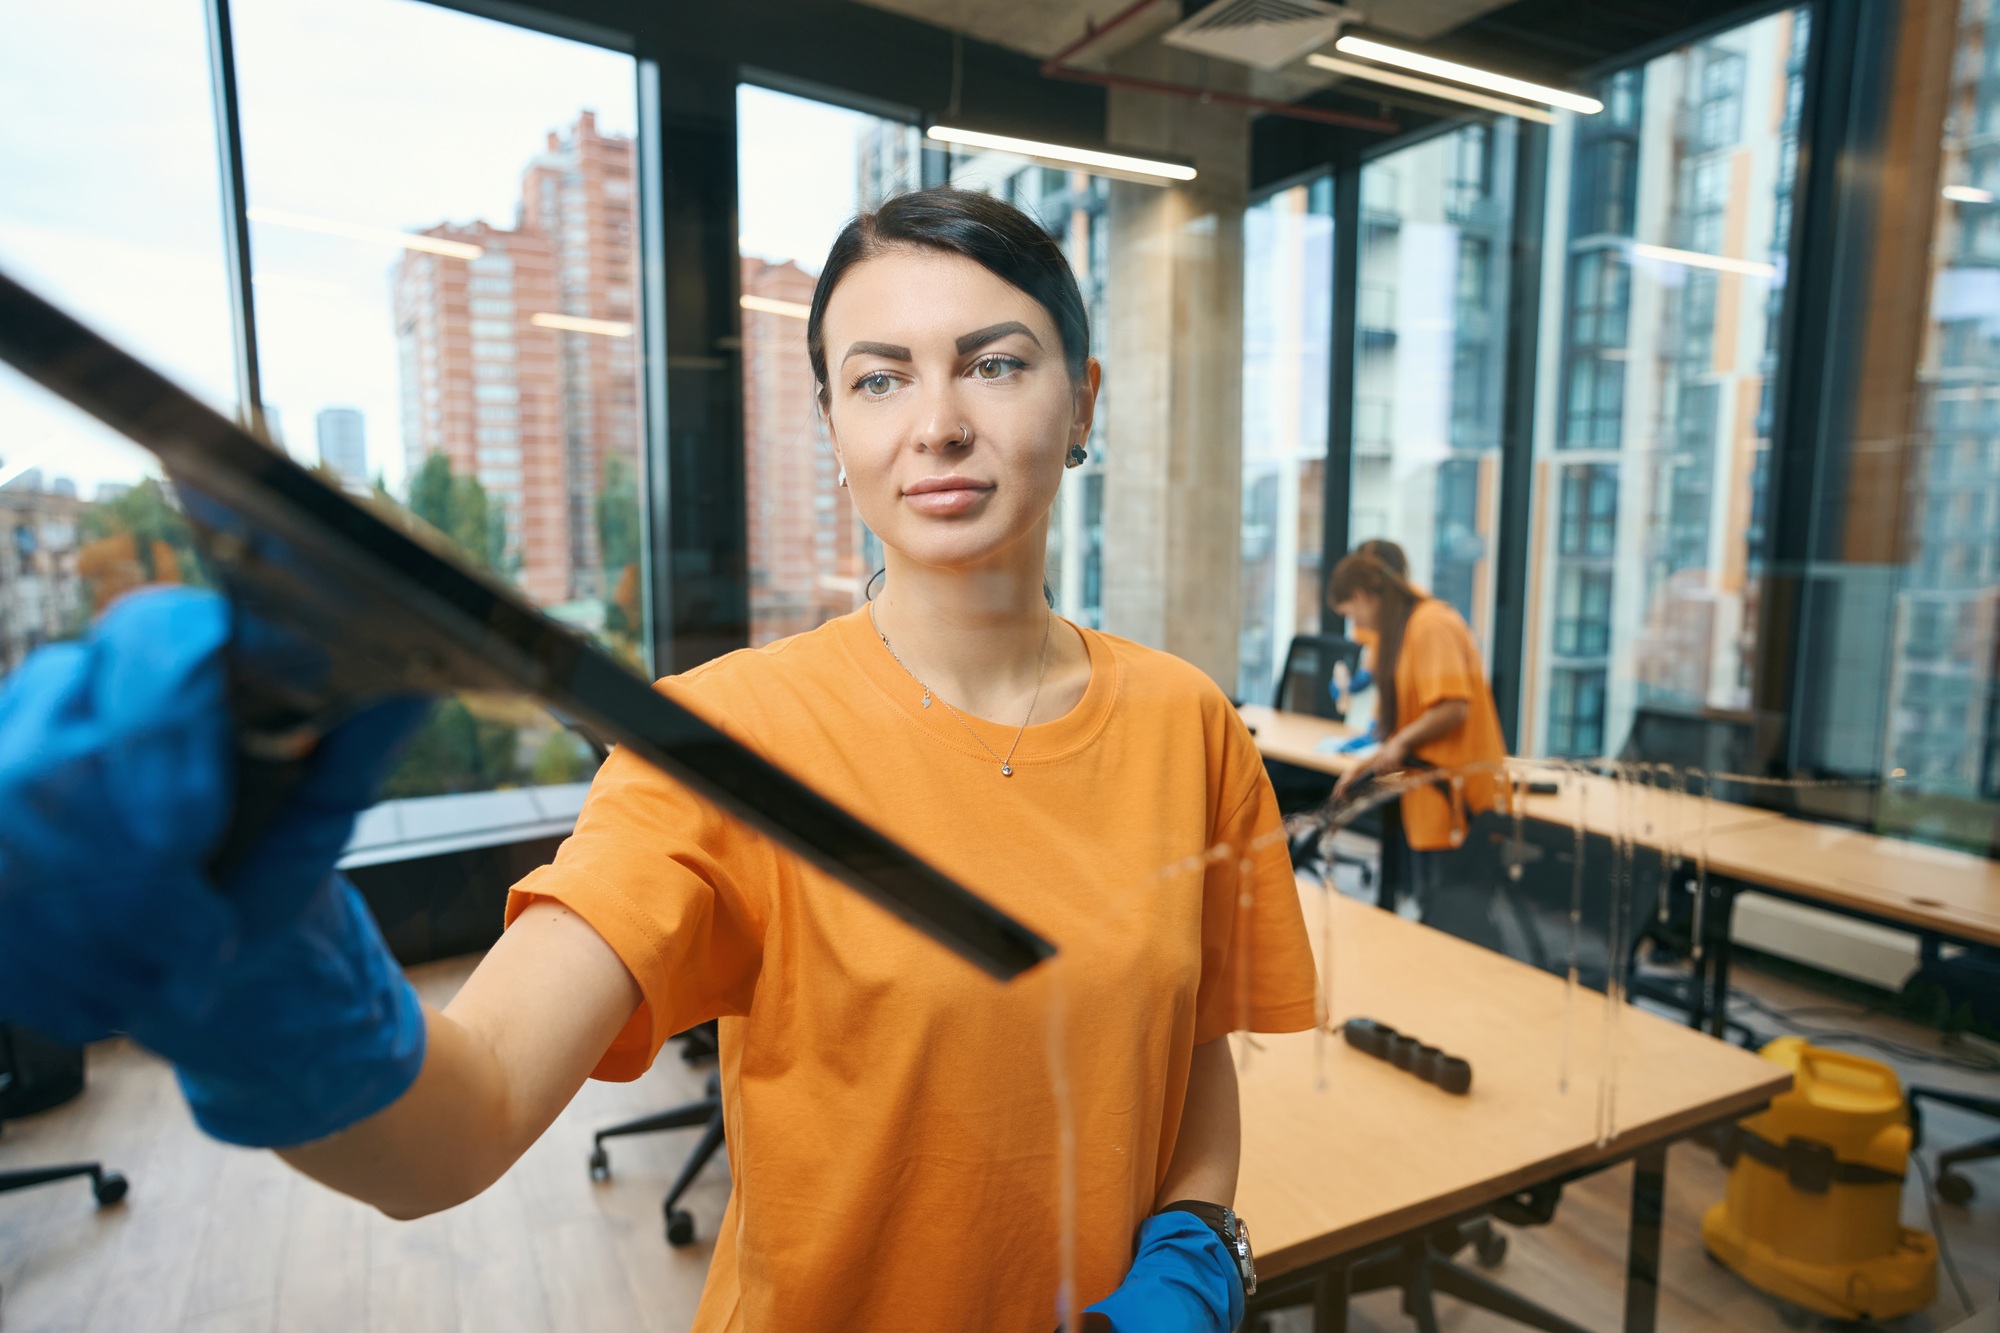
(891, 1113)
(1433, 707)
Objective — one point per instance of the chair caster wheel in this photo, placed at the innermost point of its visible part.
(1490, 1249)
(1954, 1188)
(109, 1189)
(680, 1227)
(600, 1164)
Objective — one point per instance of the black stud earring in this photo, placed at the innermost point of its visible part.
(1077, 455)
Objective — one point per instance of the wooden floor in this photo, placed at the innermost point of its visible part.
(219, 1240)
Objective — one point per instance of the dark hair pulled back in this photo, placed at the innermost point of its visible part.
(1360, 571)
(997, 236)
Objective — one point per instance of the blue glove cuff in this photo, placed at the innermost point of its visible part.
(346, 1041)
(1182, 1281)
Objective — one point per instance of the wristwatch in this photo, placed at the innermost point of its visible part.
(1235, 1236)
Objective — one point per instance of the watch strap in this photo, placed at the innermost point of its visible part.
(1228, 1229)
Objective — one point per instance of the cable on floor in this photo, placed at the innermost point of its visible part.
(1900, 1050)
(1937, 1228)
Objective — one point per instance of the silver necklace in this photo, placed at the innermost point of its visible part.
(1006, 762)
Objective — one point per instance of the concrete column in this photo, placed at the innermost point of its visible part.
(1174, 378)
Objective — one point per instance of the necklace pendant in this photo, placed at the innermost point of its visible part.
(1006, 770)
(927, 698)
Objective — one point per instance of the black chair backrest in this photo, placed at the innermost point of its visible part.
(36, 1073)
(1713, 741)
(1305, 685)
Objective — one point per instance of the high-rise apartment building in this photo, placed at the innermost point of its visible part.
(519, 366)
(805, 540)
(1436, 221)
(1943, 719)
(580, 193)
(1651, 465)
(343, 443)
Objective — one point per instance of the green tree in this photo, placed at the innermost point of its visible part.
(149, 516)
(457, 507)
(618, 545)
(561, 757)
(458, 751)
(618, 517)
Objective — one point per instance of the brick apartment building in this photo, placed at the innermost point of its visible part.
(532, 411)
(805, 540)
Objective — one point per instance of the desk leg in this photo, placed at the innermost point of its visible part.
(1330, 1301)
(1722, 920)
(1702, 963)
(1642, 1262)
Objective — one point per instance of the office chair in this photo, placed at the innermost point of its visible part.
(34, 1075)
(1422, 1266)
(1712, 740)
(1306, 683)
(698, 1045)
(1306, 686)
(1964, 990)
(1952, 1184)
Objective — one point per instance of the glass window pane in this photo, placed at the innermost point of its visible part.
(1074, 207)
(803, 169)
(1939, 748)
(1287, 335)
(1430, 357)
(1676, 202)
(447, 311)
(111, 207)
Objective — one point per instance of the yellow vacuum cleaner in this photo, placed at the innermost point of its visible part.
(1813, 1210)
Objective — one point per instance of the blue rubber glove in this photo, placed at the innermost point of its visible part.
(1363, 679)
(1181, 1281)
(273, 993)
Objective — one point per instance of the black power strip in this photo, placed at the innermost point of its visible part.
(1427, 1062)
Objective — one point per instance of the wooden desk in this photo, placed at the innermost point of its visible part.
(1889, 880)
(1657, 816)
(1376, 1154)
(1938, 893)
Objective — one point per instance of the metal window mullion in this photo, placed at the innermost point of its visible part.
(235, 215)
(655, 486)
(1517, 429)
(1338, 480)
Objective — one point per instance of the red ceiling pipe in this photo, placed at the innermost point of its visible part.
(1055, 67)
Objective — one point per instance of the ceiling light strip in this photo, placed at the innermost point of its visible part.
(771, 305)
(1751, 268)
(1082, 157)
(1478, 78)
(609, 328)
(1968, 194)
(1355, 70)
(354, 231)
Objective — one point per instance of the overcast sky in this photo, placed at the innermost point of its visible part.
(389, 113)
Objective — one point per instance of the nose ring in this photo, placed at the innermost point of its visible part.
(964, 432)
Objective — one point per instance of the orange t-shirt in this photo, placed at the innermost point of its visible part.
(890, 1115)
(1439, 660)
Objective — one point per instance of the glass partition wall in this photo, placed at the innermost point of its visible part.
(447, 313)
(804, 168)
(118, 219)
(445, 294)
(1668, 223)
(1287, 337)
(1431, 323)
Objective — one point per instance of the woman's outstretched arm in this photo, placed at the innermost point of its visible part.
(502, 1060)
(1211, 1138)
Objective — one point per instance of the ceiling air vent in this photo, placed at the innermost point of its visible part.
(1265, 34)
